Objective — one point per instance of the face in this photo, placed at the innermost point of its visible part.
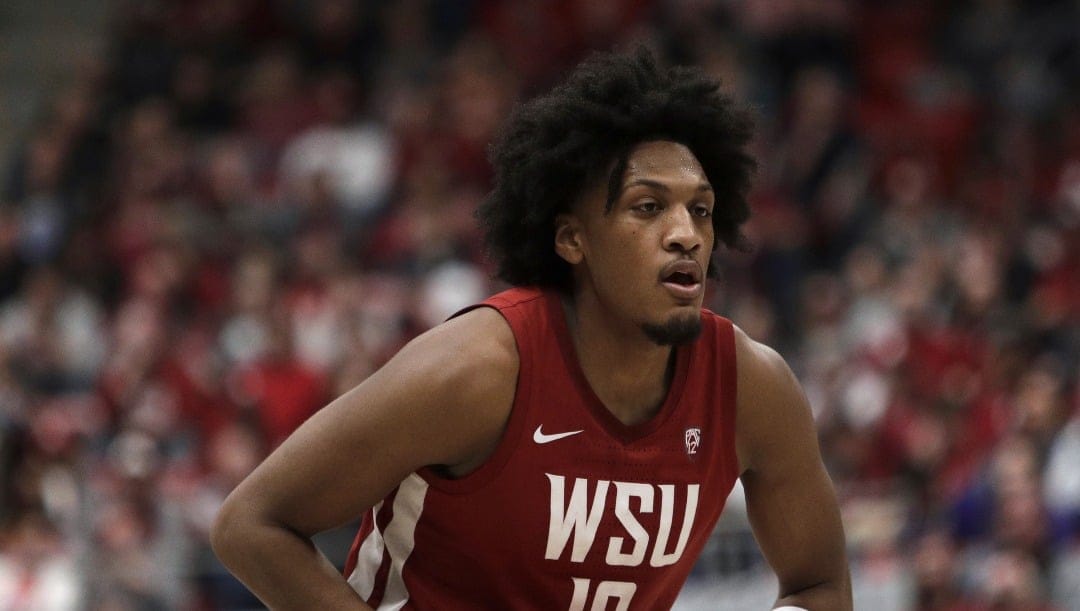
(643, 261)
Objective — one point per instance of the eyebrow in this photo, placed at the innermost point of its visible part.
(659, 186)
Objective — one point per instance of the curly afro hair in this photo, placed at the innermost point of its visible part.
(558, 144)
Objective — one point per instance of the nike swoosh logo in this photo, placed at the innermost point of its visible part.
(540, 437)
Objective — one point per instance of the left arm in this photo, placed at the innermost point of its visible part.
(789, 497)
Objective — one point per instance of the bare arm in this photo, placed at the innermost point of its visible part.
(789, 497)
(443, 400)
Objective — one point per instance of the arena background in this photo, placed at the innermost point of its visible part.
(216, 215)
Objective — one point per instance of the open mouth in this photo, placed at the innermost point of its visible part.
(682, 279)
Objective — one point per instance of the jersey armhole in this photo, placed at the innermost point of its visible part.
(492, 466)
(729, 380)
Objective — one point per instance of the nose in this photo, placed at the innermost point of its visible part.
(682, 232)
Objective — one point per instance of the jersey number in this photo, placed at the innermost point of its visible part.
(619, 591)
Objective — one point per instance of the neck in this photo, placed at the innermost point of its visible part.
(628, 372)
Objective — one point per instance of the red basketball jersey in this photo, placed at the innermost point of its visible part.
(574, 509)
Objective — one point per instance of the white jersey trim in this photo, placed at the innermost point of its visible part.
(400, 538)
(368, 559)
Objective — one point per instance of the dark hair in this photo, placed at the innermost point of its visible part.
(553, 147)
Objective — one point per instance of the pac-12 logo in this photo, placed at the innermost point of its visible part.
(693, 440)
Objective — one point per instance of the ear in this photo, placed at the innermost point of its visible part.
(568, 242)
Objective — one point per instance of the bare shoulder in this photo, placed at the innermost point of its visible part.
(462, 376)
(761, 369)
(466, 357)
(772, 410)
(481, 334)
(468, 362)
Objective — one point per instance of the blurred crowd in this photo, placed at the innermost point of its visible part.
(245, 206)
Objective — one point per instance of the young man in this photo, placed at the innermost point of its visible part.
(570, 443)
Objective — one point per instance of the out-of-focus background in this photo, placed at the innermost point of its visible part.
(216, 215)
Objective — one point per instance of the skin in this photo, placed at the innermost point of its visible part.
(446, 397)
(663, 214)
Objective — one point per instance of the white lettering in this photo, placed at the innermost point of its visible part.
(667, 500)
(623, 492)
(577, 518)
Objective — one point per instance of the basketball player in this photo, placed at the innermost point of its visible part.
(569, 443)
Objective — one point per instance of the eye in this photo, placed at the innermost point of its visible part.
(648, 207)
(702, 210)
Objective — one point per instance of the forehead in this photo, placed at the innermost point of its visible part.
(663, 159)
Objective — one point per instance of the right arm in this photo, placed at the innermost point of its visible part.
(443, 400)
(789, 498)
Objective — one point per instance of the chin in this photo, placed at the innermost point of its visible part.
(677, 330)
